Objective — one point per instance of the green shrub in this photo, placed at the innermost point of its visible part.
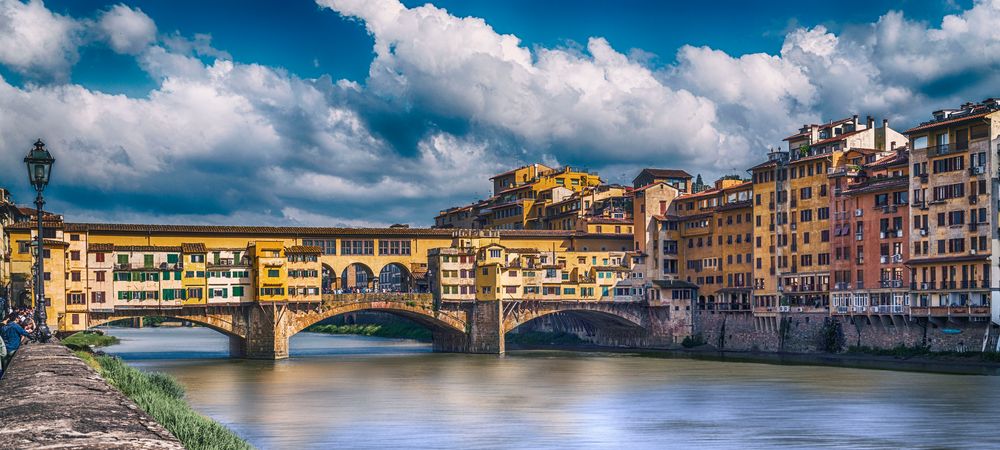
(543, 338)
(696, 340)
(832, 338)
(85, 339)
(392, 330)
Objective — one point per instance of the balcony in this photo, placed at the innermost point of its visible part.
(890, 283)
(946, 149)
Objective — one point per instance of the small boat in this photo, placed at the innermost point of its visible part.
(951, 331)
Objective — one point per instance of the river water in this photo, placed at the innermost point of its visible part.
(360, 392)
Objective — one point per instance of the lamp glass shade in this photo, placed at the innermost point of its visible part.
(39, 164)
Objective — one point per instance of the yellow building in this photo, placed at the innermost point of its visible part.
(269, 270)
(954, 249)
(521, 197)
(478, 267)
(792, 204)
(117, 267)
(304, 273)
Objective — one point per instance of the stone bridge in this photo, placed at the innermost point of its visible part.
(260, 330)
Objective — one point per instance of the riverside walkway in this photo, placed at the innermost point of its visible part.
(52, 399)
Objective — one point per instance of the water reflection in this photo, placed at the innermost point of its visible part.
(358, 392)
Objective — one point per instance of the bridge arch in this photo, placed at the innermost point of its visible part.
(357, 276)
(395, 277)
(600, 315)
(437, 321)
(328, 279)
(214, 323)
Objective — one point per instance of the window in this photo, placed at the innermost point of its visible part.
(194, 293)
(97, 297)
(172, 258)
(99, 276)
(358, 247)
(328, 246)
(99, 257)
(949, 164)
(122, 259)
(74, 276)
(198, 259)
(74, 255)
(393, 247)
(273, 273)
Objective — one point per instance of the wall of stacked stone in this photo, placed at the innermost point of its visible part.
(803, 332)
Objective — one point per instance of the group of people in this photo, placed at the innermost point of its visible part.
(17, 325)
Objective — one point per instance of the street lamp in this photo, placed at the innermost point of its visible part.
(39, 163)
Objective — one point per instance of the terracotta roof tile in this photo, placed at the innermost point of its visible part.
(930, 125)
(297, 249)
(193, 247)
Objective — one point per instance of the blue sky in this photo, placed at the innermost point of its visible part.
(349, 112)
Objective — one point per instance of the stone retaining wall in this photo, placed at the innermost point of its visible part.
(52, 399)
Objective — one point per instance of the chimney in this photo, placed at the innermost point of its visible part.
(871, 121)
(885, 123)
(892, 146)
(855, 119)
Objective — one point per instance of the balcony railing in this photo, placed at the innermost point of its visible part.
(891, 283)
(946, 149)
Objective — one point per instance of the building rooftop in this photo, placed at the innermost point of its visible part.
(968, 111)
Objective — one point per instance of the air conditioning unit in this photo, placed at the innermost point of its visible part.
(883, 259)
(859, 236)
(978, 170)
(897, 258)
(858, 212)
(881, 234)
(972, 251)
(923, 232)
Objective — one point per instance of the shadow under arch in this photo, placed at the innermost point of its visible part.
(218, 327)
(438, 322)
(591, 318)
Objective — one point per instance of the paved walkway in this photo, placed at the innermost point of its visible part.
(50, 399)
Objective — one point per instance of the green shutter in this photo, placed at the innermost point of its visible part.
(225, 292)
(122, 259)
(211, 293)
(147, 260)
(172, 258)
(237, 291)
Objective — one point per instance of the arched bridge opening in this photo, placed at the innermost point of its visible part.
(604, 324)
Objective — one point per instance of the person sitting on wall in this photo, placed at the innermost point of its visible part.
(11, 332)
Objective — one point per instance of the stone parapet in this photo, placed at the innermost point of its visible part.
(52, 399)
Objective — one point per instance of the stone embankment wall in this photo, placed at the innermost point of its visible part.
(52, 399)
(795, 333)
(801, 333)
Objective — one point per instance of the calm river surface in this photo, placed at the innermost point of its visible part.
(359, 392)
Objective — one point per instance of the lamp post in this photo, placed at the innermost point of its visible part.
(39, 163)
